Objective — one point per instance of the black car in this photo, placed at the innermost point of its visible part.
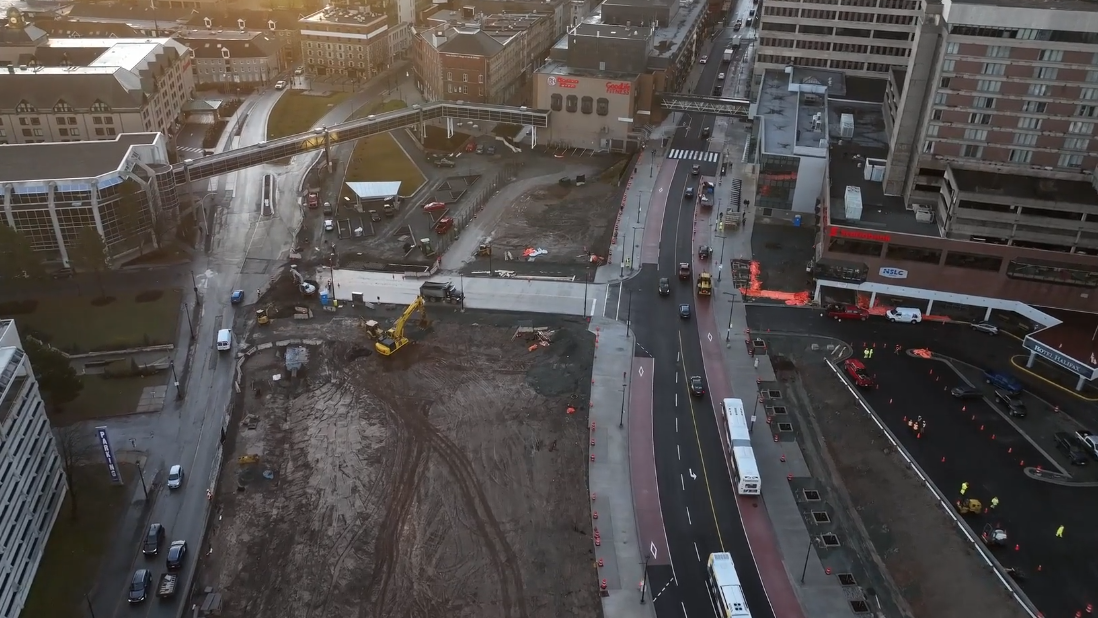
(684, 312)
(1013, 403)
(689, 193)
(139, 585)
(444, 162)
(695, 170)
(705, 132)
(153, 538)
(665, 286)
(1067, 443)
(966, 392)
(177, 553)
(491, 150)
(696, 387)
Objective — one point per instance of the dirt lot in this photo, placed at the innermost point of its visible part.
(447, 480)
(934, 569)
(782, 251)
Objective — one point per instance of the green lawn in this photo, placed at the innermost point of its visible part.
(296, 112)
(76, 546)
(103, 398)
(378, 108)
(73, 324)
(381, 159)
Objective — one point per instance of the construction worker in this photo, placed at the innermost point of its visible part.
(964, 488)
(865, 352)
(1060, 532)
(870, 352)
(898, 348)
(994, 502)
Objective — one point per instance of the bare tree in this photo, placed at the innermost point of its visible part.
(75, 449)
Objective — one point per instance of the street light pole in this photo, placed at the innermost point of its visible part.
(190, 323)
(141, 475)
(175, 380)
(91, 610)
(194, 285)
(461, 280)
(644, 578)
(728, 335)
(621, 419)
(490, 271)
(586, 280)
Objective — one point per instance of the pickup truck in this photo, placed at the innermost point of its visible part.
(165, 588)
(846, 312)
(1089, 441)
(1004, 381)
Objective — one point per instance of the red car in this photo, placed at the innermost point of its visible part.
(684, 271)
(846, 312)
(313, 200)
(444, 225)
(856, 370)
(434, 207)
(470, 147)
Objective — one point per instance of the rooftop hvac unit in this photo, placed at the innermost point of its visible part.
(853, 202)
(874, 170)
(924, 214)
(846, 126)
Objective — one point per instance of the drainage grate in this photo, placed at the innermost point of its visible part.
(859, 607)
(778, 410)
(847, 579)
(811, 495)
(821, 517)
(830, 540)
(785, 427)
(774, 394)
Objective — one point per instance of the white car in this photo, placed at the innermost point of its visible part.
(175, 477)
(703, 59)
(720, 77)
(299, 71)
(329, 225)
(280, 84)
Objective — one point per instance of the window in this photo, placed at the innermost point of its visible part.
(928, 147)
(979, 119)
(1021, 156)
(74, 132)
(1025, 139)
(571, 104)
(1026, 122)
(602, 106)
(994, 68)
(38, 132)
(943, 83)
(1038, 90)
(953, 48)
(1055, 273)
(989, 85)
(1052, 55)
(972, 152)
(465, 77)
(97, 120)
(913, 254)
(936, 114)
(1032, 107)
(25, 108)
(100, 106)
(976, 135)
(932, 130)
(983, 102)
(63, 132)
(26, 133)
(941, 98)
(36, 121)
(1070, 160)
(62, 106)
(556, 102)
(948, 66)
(449, 76)
(998, 51)
(855, 247)
(1045, 72)
(587, 105)
(1086, 111)
(1092, 77)
(1081, 128)
(1071, 143)
(973, 261)
(100, 132)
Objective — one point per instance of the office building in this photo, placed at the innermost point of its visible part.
(243, 58)
(50, 192)
(481, 58)
(32, 477)
(351, 41)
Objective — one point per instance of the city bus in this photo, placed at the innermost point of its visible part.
(725, 591)
(745, 472)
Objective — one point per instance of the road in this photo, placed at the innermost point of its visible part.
(958, 447)
(700, 510)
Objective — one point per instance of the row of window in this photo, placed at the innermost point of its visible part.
(824, 63)
(998, 69)
(61, 107)
(586, 105)
(1071, 161)
(1031, 123)
(1082, 110)
(923, 255)
(903, 5)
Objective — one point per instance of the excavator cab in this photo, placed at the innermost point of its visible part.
(394, 339)
(484, 251)
(261, 317)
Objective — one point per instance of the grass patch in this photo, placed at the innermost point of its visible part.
(76, 546)
(84, 324)
(378, 108)
(104, 398)
(381, 159)
(296, 112)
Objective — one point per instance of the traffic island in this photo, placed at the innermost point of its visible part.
(297, 111)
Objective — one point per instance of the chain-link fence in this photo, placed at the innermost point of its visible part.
(475, 200)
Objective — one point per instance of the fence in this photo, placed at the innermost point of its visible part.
(475, 199)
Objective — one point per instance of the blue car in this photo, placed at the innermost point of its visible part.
(1003, 381)
(237, 297)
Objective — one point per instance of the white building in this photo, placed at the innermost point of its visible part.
(32, 482)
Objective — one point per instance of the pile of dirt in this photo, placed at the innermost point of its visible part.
(564, 374)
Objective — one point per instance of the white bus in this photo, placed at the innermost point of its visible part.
(724, 587)
(745, 472)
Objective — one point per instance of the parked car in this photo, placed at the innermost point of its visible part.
(684, 312)
(480, 149)
(665, 287)
(1067, 444)
(471, 147)
(858, 375)
(986, 327)
(1004, 381)
(139, 585)
(175, 477)
(153, 538)
(697, 387)
(720, 77)
(966, 392)
(491, 150)
(177, 553)
(1012, 402)
(444, 162)
(434, 207)
(280, 84)
(329, 225)
(847, 312)
(703, 59)
(688, 193)
(299, 71)
(705, 132)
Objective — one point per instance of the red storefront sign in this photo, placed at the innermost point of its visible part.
(859, 234)
(563, 82)
(618, 88)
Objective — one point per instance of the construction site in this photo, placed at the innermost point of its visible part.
(390, 462)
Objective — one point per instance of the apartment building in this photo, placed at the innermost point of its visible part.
(32, 478)
(89, 89)
(246, 58)
(481, 58)
(863, 38)
(351, 41)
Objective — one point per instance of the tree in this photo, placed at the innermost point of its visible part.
(75, 449)
(129, 211)
(17, 256)
(89, 254)
(56, 377)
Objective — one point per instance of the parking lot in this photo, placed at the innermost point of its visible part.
(974, 443)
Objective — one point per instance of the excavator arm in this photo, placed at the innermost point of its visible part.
(394, 338)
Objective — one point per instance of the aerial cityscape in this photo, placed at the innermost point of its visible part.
(417, 308)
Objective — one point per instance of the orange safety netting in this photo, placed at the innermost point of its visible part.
(755, 289)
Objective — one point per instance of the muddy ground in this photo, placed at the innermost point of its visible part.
(446, 480)
(935, 571)
(783, 252)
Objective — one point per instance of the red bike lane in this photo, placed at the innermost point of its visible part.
(642, 463)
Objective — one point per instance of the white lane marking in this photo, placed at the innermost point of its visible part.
(684, 614)
(693, 477)
(676, 424)
(679, 451)
(640, 371)
(682, 482)
(688, 518)
(697, 553)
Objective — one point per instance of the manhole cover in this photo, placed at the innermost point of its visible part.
(785, 426)
(859, 607)
(847, 579)
(811, 495)
(830, 540)
(774, 394)
(778, 410)
(821, 517)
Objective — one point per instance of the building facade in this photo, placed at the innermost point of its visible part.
(350, 41)
(596, 107)
(248, 58)
(864, 38)
(32, 477)
(50, 192)
(127, 86)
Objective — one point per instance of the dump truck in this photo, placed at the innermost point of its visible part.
(439, 291)
(165, 588)
(705, 284)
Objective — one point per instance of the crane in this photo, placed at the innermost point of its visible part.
(394, 339)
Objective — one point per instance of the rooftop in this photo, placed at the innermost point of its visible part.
(248, 44)
(1086, 6)
(374, 190)
(611, 31)
(665, 39)
(349, 16)
(556, 67)
(61, 160)
(1026, 187)
(793, 111)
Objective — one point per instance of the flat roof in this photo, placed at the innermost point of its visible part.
(1025, 187)
(1073, 336)
(1058, 5)
(347, 16)
(63, 160)
(611, 31)
(556, 67)
(374, 190)
(666, 39)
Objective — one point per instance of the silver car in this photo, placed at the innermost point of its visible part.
(986, 327)
(175, 477)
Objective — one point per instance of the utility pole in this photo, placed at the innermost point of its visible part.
(190, 322)
(490, 271)
(141, 475)
(194, 285)
(461, 280)
(728, 335)
(586, 280)
(175, 380)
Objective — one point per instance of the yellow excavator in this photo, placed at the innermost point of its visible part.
(394, 339)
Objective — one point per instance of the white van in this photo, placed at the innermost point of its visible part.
(905, 314)
(224, 339)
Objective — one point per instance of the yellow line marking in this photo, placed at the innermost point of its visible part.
(1047, 381)
(697, 437)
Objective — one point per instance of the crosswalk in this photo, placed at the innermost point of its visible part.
(695, 155)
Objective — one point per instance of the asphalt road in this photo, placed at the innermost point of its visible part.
(699, 506)
(1029, 510)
